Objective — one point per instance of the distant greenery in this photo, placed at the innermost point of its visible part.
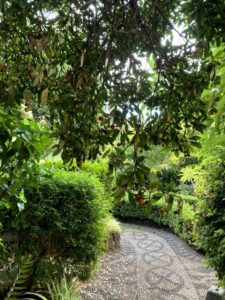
(98, 168)
(198, 181)
(165, 200)
(181, 224)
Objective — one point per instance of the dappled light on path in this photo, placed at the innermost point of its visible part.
(152, 264)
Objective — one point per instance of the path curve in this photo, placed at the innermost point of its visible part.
(152, 264)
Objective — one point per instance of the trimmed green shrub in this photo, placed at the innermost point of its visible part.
(187, 161)
(64, 223)
(101, 170)
(168, 175)
(181, 224)
(96, 168)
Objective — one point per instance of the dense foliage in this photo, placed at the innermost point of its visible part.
(208, 175)
(23, 141)
(118, 77)
(199, 182)
(210, 221)
(181, 224)
(63, 223)
(85, 62)
(159, 205)
(19, 289)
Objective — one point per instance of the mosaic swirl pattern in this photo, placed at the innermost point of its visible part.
(152, 264)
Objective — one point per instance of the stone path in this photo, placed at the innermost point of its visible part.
(152, 264)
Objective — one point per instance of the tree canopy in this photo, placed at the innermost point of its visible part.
(80, 64)
(123, 79)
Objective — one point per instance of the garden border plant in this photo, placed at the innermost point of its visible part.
(64, 225)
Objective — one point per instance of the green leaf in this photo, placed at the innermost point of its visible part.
(169, 198)
(57, 151)
(105, 154)
(141, 158)
(148, 209)
(34, 296)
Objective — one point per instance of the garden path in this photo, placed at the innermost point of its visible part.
(152, 264)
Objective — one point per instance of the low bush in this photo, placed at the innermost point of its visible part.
(112, 225)
(168, 175)
(64, 223)
(181, 224)
(96, 168)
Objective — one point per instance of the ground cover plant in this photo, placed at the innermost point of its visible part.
(64, 289)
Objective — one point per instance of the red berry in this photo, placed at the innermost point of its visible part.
(141, 201)
(101, 118)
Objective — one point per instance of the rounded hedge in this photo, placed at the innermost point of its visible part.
(63, 222)
(179, 224)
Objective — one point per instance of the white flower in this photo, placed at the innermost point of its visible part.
(25, 113)
(42, 122)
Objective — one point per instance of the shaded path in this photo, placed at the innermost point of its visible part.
(152, 264)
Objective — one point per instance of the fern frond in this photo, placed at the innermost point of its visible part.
(22, 280)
